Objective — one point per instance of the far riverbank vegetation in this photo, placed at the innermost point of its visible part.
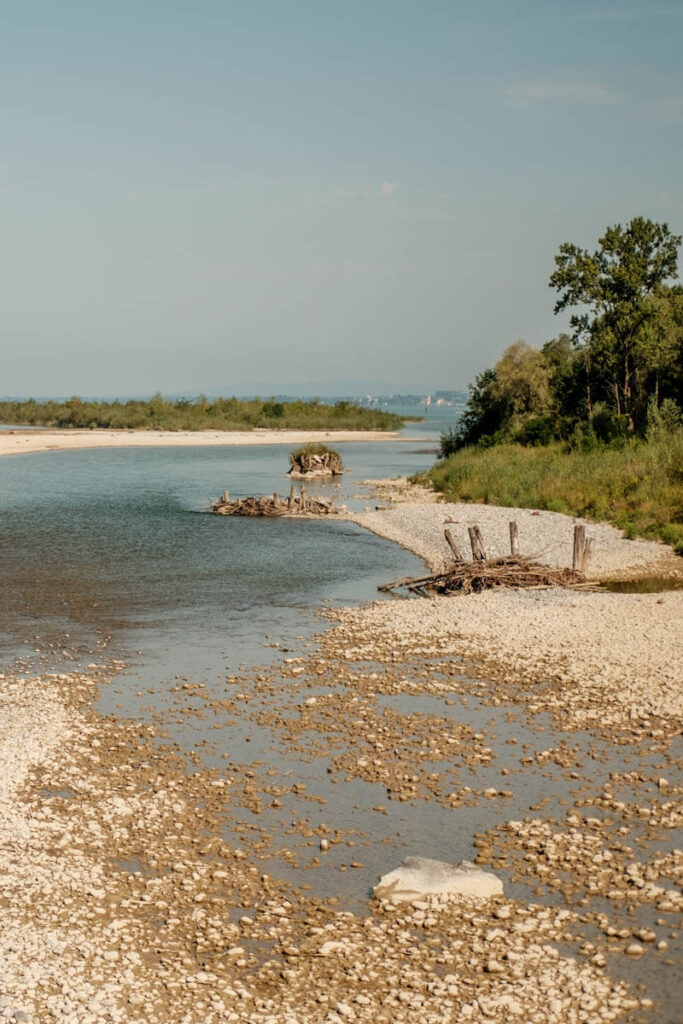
(159, 413)
(591, 423)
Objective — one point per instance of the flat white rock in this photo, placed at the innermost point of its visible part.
(420, 876)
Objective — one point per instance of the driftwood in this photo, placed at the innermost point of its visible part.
(483, 573)
(472, 577)
(271, 505)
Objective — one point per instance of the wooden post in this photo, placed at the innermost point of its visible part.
(587, 553)
(276, 500)
(453, 546)
(473, 542)
(514, 539)
(226, 496)
(476, 543)
(291, 500)
(304, 499)
(579, 542)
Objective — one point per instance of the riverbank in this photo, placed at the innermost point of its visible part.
(414, 518)
(24, 442)
(149, 913)
(122, 903)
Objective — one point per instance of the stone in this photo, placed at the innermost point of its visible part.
(421, 876)
(330, 947)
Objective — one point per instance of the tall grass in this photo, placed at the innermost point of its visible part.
(637, 487)
(222, 414)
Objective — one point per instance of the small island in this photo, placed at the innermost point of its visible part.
(314, 460)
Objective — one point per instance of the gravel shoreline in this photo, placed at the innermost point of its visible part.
(122, 904)
(547, 537)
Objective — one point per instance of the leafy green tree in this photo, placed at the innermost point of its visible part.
(522, 382)
(612, 290)
(484, 415)
(662, 346)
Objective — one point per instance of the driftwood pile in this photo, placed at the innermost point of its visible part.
(301, 504)
(483, 573)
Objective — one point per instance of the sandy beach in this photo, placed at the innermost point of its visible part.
(149, 916)
(23, 442)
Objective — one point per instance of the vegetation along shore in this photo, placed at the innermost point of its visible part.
(591, 423)
(159, 413)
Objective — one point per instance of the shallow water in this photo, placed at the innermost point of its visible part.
(115, 542)
(646, 585)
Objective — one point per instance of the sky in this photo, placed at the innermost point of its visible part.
(198, 194)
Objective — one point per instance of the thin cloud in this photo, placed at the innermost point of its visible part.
(548, 90)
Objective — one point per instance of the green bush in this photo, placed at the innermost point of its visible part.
(537, 430)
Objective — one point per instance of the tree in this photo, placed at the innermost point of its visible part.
(662, 346)
(611, 288)
(568, 379)
(521, 383)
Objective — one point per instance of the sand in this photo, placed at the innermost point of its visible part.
(23, 442)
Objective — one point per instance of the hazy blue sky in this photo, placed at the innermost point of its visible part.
(198, 193)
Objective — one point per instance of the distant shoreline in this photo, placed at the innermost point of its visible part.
(26, 442)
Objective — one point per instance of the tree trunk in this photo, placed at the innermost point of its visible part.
(628, 406)
(587, 368)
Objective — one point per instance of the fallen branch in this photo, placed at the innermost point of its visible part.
(478, 575)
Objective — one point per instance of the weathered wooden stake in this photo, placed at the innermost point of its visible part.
(473, 542)
(226, 496)
(291, 500)
(450, 539)
(514, 539)
(304, 499)
(587, 553)
(478, 553)
(579, 543)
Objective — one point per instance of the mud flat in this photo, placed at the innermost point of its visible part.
(23, 442)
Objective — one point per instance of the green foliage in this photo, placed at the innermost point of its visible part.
(663, 420)
(537, 430)
(222, 414)
(312, 449)
(637, 486)
(521, 383)
(615, 291)
(599, 383)
(607, 426)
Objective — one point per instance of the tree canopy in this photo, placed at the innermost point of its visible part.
(619, 367)
(614, 290)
